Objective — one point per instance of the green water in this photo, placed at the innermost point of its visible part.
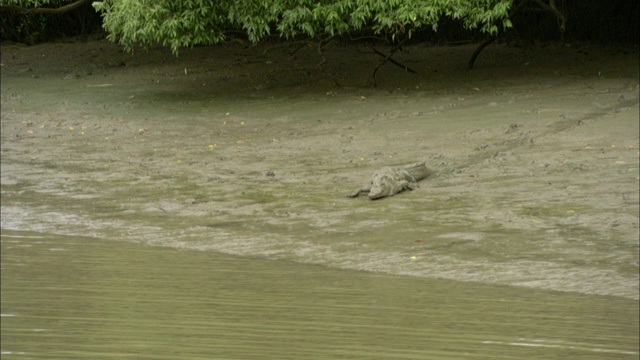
(82, 298)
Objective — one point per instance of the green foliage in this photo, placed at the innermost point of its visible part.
(173, 23)
(191, 22)
(28, 30)
(34, 21)
(183, 23)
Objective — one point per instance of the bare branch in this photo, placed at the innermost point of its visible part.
(40, 10)
(552, 8)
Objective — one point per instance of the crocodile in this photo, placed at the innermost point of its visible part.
(390, 181)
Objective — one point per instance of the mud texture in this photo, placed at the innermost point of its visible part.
(251, 151)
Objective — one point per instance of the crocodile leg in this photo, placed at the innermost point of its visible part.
(361, 191)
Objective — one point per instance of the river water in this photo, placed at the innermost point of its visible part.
(66, 297)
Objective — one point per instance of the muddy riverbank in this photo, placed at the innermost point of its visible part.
(252, 151)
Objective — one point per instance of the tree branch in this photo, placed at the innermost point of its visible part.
(405, 67)
(552, 8)
(493, 38)
(52, 11)
(388, 58)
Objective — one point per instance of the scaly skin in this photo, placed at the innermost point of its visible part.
(388, 182)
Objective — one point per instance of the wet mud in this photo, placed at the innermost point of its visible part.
(251, 151)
